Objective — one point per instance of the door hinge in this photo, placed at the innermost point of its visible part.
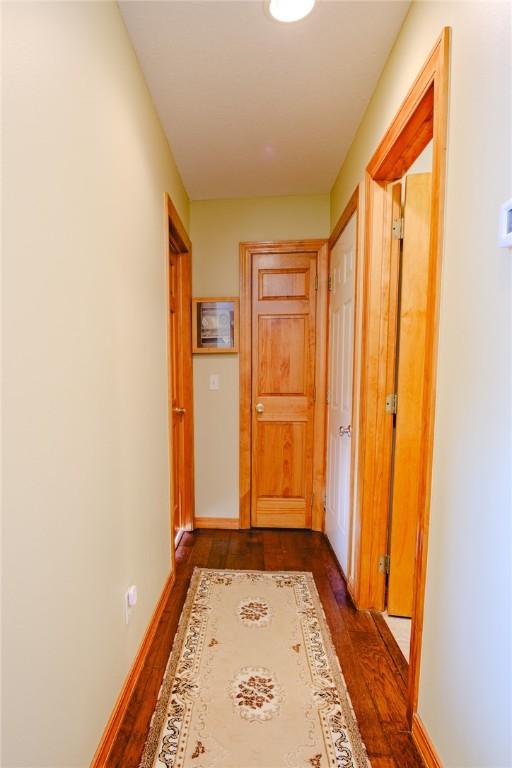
(316, 281)
(397, 228)
(329, 283)
(391, 403)
(384, 563)
(314, 394)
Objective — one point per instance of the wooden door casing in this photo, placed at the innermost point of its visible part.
(283, 381)
(314, 357)
(422, 116)
(180, 399)
(177, 458)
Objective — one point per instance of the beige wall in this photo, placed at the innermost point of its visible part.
(465, 674)
(217, 228)
(85, 496)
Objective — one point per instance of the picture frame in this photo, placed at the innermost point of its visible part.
(215, 325)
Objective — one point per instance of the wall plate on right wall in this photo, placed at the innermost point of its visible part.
(505, 232)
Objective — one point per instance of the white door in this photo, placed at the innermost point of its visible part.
(341, 363)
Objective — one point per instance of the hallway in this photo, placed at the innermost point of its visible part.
(256, 301)
(372, 673)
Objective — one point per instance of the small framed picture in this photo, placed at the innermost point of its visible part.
(215, 325)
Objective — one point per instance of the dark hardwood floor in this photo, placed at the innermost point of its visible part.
(374, 674)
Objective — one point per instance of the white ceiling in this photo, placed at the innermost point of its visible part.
(254, 107)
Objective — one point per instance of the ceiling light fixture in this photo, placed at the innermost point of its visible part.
(290, 10)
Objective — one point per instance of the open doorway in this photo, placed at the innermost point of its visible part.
(180, 375)
(410, 239)
(420, 121)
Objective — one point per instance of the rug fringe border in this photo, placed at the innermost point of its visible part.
(356, 739)
(159, 715)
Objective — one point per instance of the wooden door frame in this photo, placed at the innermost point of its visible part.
(423, 116)
(351, 208)
(178, 242)
(247, 251)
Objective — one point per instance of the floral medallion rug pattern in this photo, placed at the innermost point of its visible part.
(253, 680)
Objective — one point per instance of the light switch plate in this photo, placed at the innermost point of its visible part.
(506, 224)
(213, 383)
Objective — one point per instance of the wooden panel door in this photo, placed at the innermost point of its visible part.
(283, 381)
(410, 378)
(341, 366)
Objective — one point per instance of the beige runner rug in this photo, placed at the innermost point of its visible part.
(253, 680)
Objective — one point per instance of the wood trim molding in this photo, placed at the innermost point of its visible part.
(441, 95)
(179, 243)
(224, 523)
(320, 246)
(350, 208)
(424, 744)
(121, 706)
(245, 385)
(422, 116)
(413, 125)
(179, 231)
(320, 418)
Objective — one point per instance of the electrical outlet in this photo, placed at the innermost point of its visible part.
(130, 601)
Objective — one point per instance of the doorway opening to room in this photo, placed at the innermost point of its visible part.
(382, 398)
(410, 240)
(180, 375)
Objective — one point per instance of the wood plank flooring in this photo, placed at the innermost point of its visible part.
(374, 675)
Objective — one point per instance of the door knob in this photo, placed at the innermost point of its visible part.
(259, 408)
(346, 431)
(181, 411)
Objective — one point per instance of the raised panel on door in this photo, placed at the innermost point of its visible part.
(283, 284)
(281, 452)
(341, 354)
(411, 362)
(282, 359)
(283, 369)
